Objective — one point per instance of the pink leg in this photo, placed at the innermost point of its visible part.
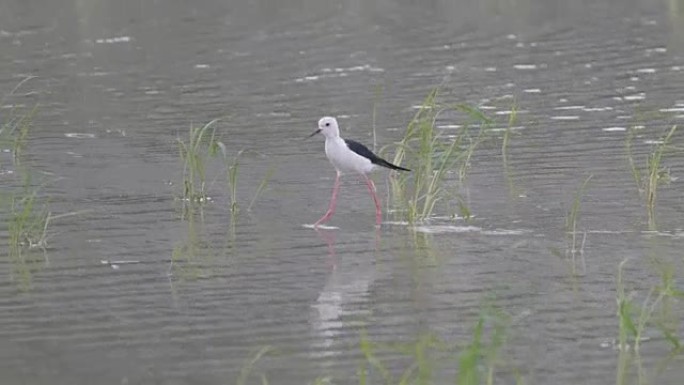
(378, 210)
(333, 203)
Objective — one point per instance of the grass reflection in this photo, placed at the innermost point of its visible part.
(192, 257)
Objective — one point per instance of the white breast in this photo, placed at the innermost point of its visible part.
(344, 159)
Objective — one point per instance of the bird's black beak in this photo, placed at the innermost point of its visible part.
(314, 133)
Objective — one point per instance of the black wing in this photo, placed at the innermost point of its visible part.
(366, 153)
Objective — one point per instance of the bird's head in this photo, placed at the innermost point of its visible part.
(328, 126)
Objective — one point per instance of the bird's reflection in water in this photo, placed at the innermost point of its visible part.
(342, 304)
(329, 236)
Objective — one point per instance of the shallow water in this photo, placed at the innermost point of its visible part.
(118, 82)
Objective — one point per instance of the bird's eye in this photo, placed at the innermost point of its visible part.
(327, 124)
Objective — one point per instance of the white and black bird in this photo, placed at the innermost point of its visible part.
(349, 156)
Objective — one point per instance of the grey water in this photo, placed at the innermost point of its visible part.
(120, 298)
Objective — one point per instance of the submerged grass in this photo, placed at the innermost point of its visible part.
(653, 175)
(432, 155)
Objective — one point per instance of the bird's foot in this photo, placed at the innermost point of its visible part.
(323, 219)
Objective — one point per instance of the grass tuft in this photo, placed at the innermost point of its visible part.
(15, 126)
(195, 151)
(575, 246)
(29, 222)
(655, 174)
(432, 156)
(28, 215)
(480, 359)
(232, 173)
(14, 134)
(26, 211)
(27, 226)
(634, 320)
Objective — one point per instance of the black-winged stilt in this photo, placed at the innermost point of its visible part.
(349, 156)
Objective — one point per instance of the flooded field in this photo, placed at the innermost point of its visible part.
(158, 192)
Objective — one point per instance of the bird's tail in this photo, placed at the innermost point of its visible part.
(384, 163)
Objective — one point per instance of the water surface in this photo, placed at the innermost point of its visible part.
(118, 82)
